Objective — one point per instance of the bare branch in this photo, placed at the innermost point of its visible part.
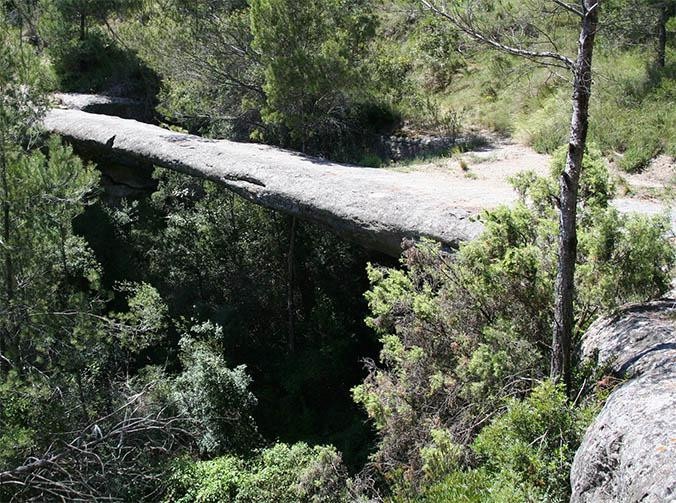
(466, 27)
(569, 7)
(114, 445)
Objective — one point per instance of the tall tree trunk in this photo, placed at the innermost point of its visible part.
(568, 185)
(290, 306)
(9, 273)
(662, 36)
(83, 25)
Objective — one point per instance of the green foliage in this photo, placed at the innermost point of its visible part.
(459, 335)
(627, 259)
(595, 191)
(371, 160)
(623, 258)
(284, 72)
(205, 482)
(531, 446)
(631, 115)
(144, 322)
(436, 43)
(525, 454)
(85, 53)
(45, 264)
(25, 408)
(282, 473)
(629, 112)
(441, 456)
(630, 105)
(548, 127)
(217, 258)
(311, 54)
(471, 486)
(24, 80)
(217, 398)
(64, 365)
(211, 77)
(637, 157)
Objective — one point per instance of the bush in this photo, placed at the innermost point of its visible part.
(638, 156)
(548, 127)
(85, 57)
(525, 454)
(459, 335)
(533, 443)
(97, 64)
(371, 161)
(282, 473)
(217, 398)
(471, 486)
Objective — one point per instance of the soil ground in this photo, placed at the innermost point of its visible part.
(481, 177)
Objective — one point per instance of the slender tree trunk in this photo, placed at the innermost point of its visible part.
(568, 185)
(83, 25)
(9, 273)
(290, 306)
(662, 36)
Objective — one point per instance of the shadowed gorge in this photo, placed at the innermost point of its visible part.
(337, 251)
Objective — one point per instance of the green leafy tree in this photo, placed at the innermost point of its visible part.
(64, 364)
(212, 77)
(311, 52)
(216, 397)
(86, 51)
(645, 23)
(76, 16)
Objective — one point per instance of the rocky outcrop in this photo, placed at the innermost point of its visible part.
(106, 105)
(374, 207)
(398, 148)
(629, 452)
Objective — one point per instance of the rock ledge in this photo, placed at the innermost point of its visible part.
(629, 453)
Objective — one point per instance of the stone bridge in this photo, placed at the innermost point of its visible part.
(374, 207)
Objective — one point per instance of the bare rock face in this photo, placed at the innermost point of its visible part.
(629, 453)
(106, 105)
(376, 208)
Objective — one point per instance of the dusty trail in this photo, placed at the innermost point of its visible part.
(481, 178)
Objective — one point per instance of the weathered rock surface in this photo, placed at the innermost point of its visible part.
(397, 148)
(629, 452)
(106, 105)
(374, 207)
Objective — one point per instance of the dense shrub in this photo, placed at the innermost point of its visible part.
(525, 454)
(311, 54)
(462, 333)
(85, 56)
(282, 473)
(217, 398)
(638, 156)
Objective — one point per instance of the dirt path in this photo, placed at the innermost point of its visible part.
(481, 177)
